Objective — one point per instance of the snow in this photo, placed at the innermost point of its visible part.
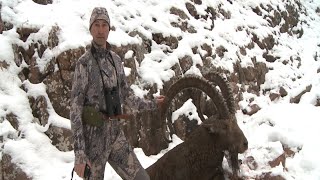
(277, 124)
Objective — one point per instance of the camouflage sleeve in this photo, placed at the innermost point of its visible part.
(80, 82)
(131, 100)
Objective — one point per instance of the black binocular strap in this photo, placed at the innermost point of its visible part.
(72, 173)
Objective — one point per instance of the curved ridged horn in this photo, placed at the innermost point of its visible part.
(197, 82)
(226, 90)
(216, 79)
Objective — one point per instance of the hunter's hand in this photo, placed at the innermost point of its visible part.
(79, 169)
(160, 100)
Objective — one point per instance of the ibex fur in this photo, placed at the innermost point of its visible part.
(201, 155)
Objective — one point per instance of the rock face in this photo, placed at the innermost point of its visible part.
(43, 2)
(144, 129)
(9, 170)
(58, 72)
(1, 23)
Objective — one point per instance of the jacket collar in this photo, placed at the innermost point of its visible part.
(98, 51)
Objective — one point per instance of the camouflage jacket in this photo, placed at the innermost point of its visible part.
(87, 90)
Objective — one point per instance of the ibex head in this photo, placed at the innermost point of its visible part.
(226, 125)
(232, 136)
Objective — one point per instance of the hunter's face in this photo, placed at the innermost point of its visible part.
(100, 32)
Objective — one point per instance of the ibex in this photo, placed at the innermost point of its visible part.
(201, 155)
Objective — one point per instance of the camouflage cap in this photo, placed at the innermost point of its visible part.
(99, 13)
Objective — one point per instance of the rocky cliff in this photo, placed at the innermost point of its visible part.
(200, 35)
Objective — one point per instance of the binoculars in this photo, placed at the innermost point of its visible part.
(112, 99)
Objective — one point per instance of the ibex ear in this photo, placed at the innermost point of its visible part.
(212, 128)
(216, 128)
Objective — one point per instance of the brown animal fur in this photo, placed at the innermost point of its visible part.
(201, 155)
